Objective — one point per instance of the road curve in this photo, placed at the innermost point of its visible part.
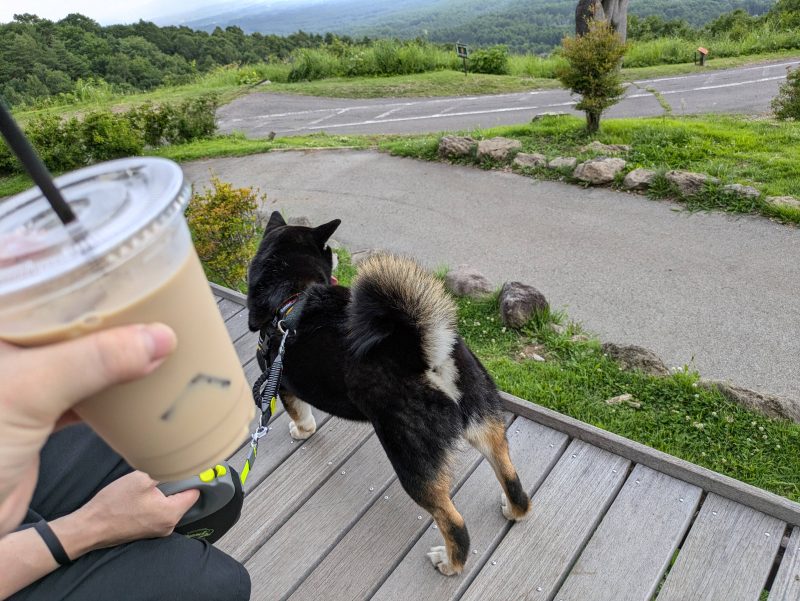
(712, 290)
(740, 90)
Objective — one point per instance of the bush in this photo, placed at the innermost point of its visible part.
(153, 121)
(593, 70)
(108, 136)
(492, 60)
(787, 103)
(225, 228)
(59, 143)
(193, 119)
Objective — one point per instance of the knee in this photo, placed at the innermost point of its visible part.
(221, 578)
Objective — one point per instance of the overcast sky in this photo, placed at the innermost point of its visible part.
(99, 10)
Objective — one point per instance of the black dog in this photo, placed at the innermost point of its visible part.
(386, 352)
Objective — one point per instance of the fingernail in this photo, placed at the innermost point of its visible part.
(159, 340)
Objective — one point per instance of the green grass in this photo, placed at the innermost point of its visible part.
(676, 416)
(754, 151)
(434, 83)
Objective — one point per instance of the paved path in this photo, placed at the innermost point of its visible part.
(742, 90)
(709, 288)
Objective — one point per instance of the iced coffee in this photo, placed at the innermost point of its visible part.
(136, 265)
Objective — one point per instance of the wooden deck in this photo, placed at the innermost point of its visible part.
(612, 520)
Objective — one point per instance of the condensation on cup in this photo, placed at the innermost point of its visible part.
(136, 265)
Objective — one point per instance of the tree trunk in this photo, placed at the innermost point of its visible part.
(613, 11)
(592, 121)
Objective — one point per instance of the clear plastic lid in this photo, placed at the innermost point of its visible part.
(120, 205)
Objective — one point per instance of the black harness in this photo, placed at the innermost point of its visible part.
(265, 389)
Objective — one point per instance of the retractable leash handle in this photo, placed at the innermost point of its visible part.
(216, 490)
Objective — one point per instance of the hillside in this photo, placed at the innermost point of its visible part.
(532, 25)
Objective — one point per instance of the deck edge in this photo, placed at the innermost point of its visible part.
(231, 295)
(710, 481)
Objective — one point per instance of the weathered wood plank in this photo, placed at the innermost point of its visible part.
(273, 449)
(761, 500)
(245, 346)
(534, 450)
(228, 308)
(229, 294)
(237, 326)
(535, 556)
(218, 299)
(629, 552)
(787, 582)
(376, 543)
(268, 506)
(727, 555)
(294, 550)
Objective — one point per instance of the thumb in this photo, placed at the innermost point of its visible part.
(182, 502)
(68, 372)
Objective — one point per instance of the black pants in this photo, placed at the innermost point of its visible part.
(75, 464)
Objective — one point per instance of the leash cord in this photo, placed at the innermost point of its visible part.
(265, 400)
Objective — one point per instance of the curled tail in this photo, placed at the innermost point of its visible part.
(401, 311)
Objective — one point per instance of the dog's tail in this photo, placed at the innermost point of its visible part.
(401, 310)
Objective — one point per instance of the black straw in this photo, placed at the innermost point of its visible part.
(21, 147)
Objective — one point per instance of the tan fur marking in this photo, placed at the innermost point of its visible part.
(444, 512)
(489, 438)
(303, 424)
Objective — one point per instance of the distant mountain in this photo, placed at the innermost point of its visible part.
(534, 25)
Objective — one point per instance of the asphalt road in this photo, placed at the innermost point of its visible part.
(711, 290)
(742, 90)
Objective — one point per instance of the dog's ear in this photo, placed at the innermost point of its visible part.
(275, 220)
(323, 232)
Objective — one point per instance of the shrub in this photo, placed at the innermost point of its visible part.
(192, 119)
(492, 60)
(313, 64)
(225, 228)
(108, 136)
(787, 103)
(59, 142)
(153, 121)
(593, 70)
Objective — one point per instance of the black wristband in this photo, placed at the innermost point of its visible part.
(53, 544)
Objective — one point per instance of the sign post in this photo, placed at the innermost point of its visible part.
(700, 56)
(463, 53)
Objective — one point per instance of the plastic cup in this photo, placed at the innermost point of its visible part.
(137, 265)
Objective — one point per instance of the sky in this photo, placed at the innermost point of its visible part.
(100, 10)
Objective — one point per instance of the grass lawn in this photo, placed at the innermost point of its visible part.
(675, 416)
(754, 151)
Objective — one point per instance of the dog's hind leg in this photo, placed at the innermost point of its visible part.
(302, 425)
(489, 437)
(435, 498)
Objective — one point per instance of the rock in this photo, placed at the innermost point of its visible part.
(631, 357)
(599, 148)
(466, 281)
(599, 171)
(768, 404)
(533, 351)
(456, 147)
(639, 179)
(333, 243)
(549, 114)
(558, 328)
(363, 254)
(579, 338)
(562, 163)
(530, 160)
(742, 191)
(497, 149)
(302, 220)
(626, 399)
(519, 302)
(689, 183)
(783, 201)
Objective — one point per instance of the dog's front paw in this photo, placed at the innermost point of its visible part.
(304, 429)
(438, 557)
(508, 511)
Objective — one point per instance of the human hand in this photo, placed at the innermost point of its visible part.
(132, 508)
(41, 385)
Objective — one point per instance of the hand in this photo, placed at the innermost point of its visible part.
(41, 385)
(132, 508)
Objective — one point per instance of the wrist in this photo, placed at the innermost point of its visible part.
(80, 532)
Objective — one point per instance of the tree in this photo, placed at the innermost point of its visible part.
(787, 103)
(614, 12)
(592, 70)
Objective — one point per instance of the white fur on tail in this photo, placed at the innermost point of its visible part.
(424, 298)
